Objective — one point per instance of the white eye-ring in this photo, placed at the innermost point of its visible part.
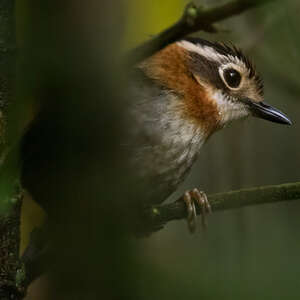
(231, 77)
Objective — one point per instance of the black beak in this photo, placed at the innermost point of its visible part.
(267, 112)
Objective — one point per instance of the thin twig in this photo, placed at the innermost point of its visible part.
(158, 216)
(195, 18)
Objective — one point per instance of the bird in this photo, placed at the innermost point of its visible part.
(182, 95)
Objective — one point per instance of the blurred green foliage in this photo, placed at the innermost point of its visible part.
(147, 18)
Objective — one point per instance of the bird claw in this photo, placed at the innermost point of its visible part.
(191, 199)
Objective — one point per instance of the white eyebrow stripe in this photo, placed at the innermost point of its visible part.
(206, 51)
(209, 53)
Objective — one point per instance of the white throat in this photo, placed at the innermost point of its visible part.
(229, 110)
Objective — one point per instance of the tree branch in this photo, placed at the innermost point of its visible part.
(194, 18)
(10, 196)
(36, 257)
(158, 216)
(10, 281)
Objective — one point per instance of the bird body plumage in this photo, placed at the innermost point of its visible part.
(179, 97)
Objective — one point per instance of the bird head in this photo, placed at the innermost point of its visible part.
(216, 83)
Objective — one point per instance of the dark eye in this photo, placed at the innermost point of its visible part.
(232, 77)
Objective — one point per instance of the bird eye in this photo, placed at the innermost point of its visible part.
(232, 77)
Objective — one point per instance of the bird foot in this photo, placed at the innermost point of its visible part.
(191, 199)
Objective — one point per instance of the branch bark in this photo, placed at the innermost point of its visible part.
(158, 216)
(11, 198)
(195, 18)
(9, 254)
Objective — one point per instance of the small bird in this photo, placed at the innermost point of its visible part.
(182, 95)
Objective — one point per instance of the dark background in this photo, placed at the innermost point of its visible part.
(250, 253)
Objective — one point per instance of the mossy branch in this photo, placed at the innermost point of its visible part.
(158, 216)
(195, 18)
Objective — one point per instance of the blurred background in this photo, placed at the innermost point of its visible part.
(250, 253)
